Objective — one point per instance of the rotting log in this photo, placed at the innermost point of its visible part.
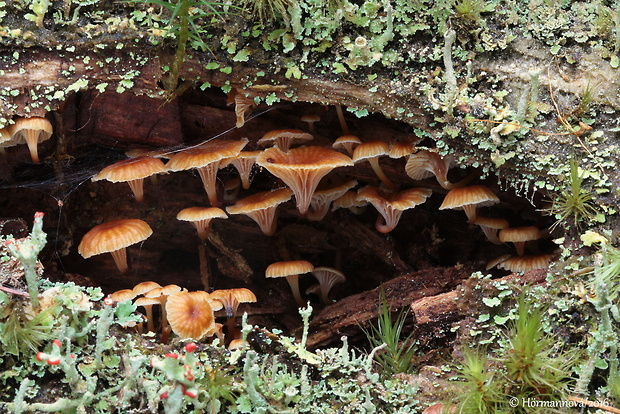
(431, 294)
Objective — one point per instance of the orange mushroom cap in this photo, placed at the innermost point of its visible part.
(31, 131)
(519, 235)
(201, 217)
(231, 298)
(144, 287)
(284, 138)
(189, 315)
(347, 142)
(114, 237)
(425, 163)
(491, 226)
(391, 205)
(291, 271)
(371, 151)
(132, 171)
(469, 199)
(206, 158)
(262, 208)
(522, 264)
(302, 169)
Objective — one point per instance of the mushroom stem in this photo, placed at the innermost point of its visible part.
(32, 141)
(471, 212)
(383, 226)
(208, 175)
(450, 186)
(204, 267)
(150, 323)
(293, 281)
(120, 258)
(374, 163)
(343, 122)
(137, 188)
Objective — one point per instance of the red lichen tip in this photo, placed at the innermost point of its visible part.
(172, 355)
(38, 214)
(41, 356)
(53, 361)
(163, 395)
(57, 343)
(191, 347)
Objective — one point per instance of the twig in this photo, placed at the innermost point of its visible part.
(594, 404)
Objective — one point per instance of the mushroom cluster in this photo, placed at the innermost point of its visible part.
(186, 314)
(300, 165)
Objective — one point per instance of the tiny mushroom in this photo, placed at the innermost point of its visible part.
(231, 299)
(122, 295)
(31, 131)
(401, 149)
(322, 199)
(162, 294)
(144, 287)
(351, 201)
(371, 151)
(347, 142)
(302, 169)
(200, 217)
(291, 271)
(519, 236)
(147, 304)
(491, 226)
(5, 140)
(391, 205)
(114, 237)
(310, 119)
(284, 138)
(244, 163)
(522, 264)
(469, 199)
(243, 105)
(133, 171)
(327, 278)
(206, 158)
(262, 208)
(425, 163)
(189, 315)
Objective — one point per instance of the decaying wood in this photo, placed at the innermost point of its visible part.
(432, 294)
(347, 315)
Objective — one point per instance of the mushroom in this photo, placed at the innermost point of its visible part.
(206, 158)
(162, 294)
(114, 237)
(147, 304)
(122, 295)
(347, 143)
(262, 208)
(469, 199)
(491, 226)
(522, 264)
(351, 201)
(392, 205)
(200, 217)
(302, 169)
(310, 119)
(144, 287)
(321, 199)
(232, 186)
(284, 138)
(189, 315)
(371, 151)
(231, 299)
(31, 131)
(401, 149)
(243, 105)
(244, 163)
(425, 163)
(519, 236)
(327, 278)
(5, 140)
(291, 271)
(133, 171)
